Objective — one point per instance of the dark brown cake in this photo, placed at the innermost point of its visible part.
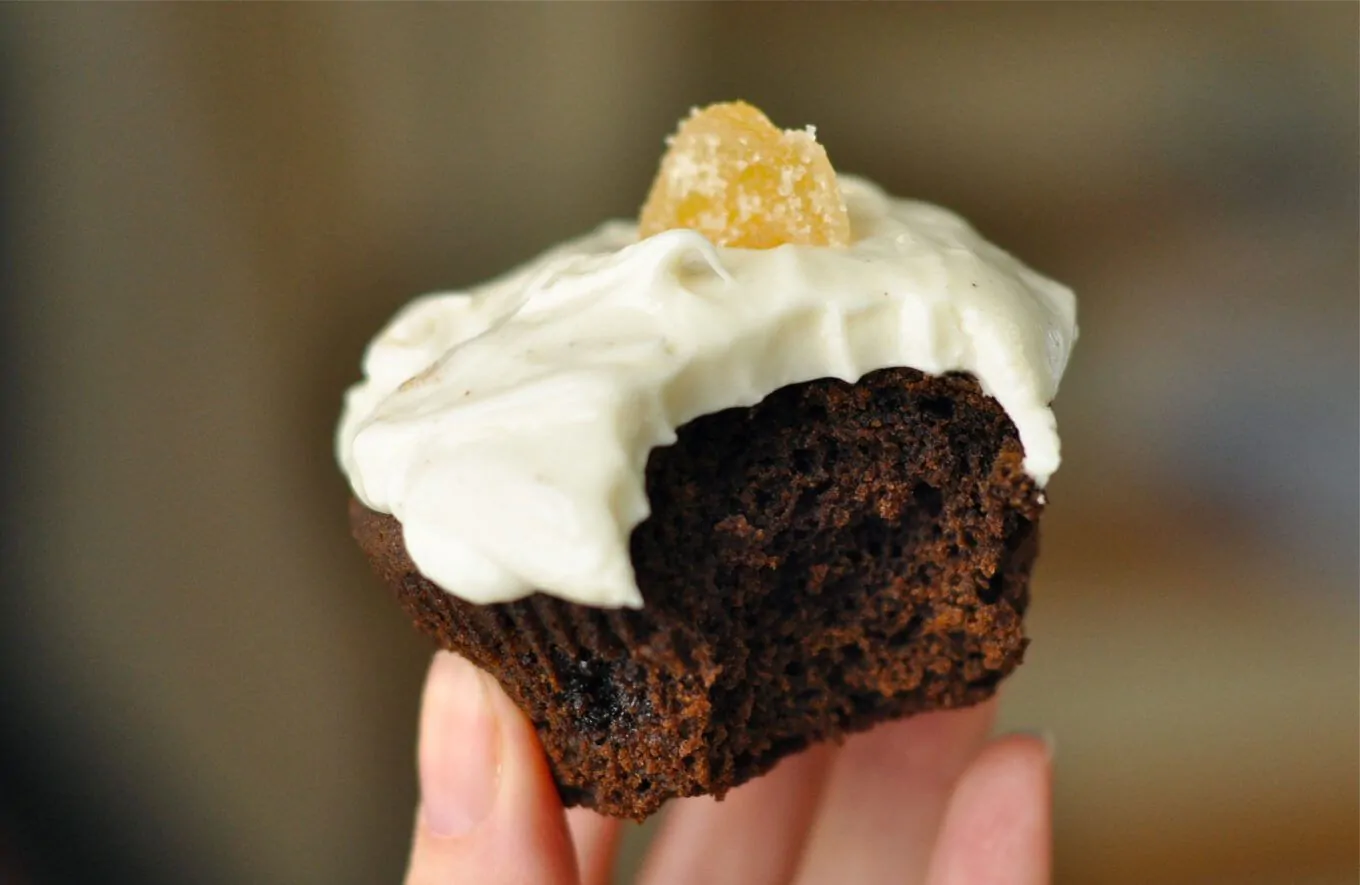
(832, 557)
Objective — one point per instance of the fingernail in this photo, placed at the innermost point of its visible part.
(459, 742)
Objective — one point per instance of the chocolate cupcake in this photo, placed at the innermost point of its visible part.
(763, 471)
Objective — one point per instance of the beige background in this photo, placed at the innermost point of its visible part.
(212, 208)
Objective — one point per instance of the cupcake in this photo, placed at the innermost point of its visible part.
(763, 469)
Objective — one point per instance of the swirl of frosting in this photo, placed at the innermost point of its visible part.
(507, 428)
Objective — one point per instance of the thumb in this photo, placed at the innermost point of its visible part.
(489, 812)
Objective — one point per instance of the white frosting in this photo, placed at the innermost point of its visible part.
(508, 428)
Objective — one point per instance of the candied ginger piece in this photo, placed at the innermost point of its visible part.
(736, 178)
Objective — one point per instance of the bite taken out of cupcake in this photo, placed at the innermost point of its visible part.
(761, 470)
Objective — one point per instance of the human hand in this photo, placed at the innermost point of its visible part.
(923, 800)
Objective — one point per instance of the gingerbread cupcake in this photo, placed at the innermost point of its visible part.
(761, 470)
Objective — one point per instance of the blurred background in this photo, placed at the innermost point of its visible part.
(208, 210)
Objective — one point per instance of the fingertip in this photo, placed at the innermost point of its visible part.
(459, 755)
(1017, 771)
(489, 810)
(1042, 737)
(595, 840)
(998, 824)
(887, 793)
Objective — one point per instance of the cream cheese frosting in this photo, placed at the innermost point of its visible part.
(507, 428)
